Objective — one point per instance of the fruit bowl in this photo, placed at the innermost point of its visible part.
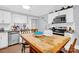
(38, 34)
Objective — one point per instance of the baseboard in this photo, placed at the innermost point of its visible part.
(13, 44)
(8, 46)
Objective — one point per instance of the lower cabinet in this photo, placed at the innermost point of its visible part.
(8, 38)
(3, 39)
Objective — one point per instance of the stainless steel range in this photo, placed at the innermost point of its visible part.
(13, 37)
(58, 30)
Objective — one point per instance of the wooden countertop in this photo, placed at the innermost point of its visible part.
(47, 44)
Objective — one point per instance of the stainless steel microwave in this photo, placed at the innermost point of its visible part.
(59, 19)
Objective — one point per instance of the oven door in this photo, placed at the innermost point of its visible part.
(13, 38)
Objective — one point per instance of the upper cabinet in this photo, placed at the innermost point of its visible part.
(1, 16)
(17, 18)
(5, 17)
(67, 12)
(69, 15)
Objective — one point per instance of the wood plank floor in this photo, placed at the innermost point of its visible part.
(17, 49)
(13, 49)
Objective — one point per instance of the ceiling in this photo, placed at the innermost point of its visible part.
(36, 10)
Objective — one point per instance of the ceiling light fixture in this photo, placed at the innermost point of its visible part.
(26, 7)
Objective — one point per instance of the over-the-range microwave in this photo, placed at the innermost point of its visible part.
(59, 19)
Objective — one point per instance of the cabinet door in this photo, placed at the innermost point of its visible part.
(0, 39)
(19, 18)
(7, 17)
(4, 40)
(1, 16)
(51, 17)
(69, 15)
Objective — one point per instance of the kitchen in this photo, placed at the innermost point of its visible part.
(61, 20)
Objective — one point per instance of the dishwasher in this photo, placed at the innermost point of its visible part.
(13, 38)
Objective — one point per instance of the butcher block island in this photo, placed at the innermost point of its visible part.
(45, 44)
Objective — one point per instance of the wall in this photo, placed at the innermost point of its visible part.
(76, 20)
(42, 23)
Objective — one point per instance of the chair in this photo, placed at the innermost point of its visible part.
(24, 46)
(71, 48)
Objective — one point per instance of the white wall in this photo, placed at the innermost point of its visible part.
(76, 20)
(42, 23)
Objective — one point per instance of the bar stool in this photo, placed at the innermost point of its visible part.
(24, 44)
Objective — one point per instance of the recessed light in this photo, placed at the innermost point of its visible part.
(26, 7)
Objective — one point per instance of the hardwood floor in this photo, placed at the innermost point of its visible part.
(13, 49)
(17, 49)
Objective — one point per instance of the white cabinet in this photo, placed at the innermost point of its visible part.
(69, 15)
(1, 16)
(5, 17)
(19, 18)
(3, 39)
(0, 39)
